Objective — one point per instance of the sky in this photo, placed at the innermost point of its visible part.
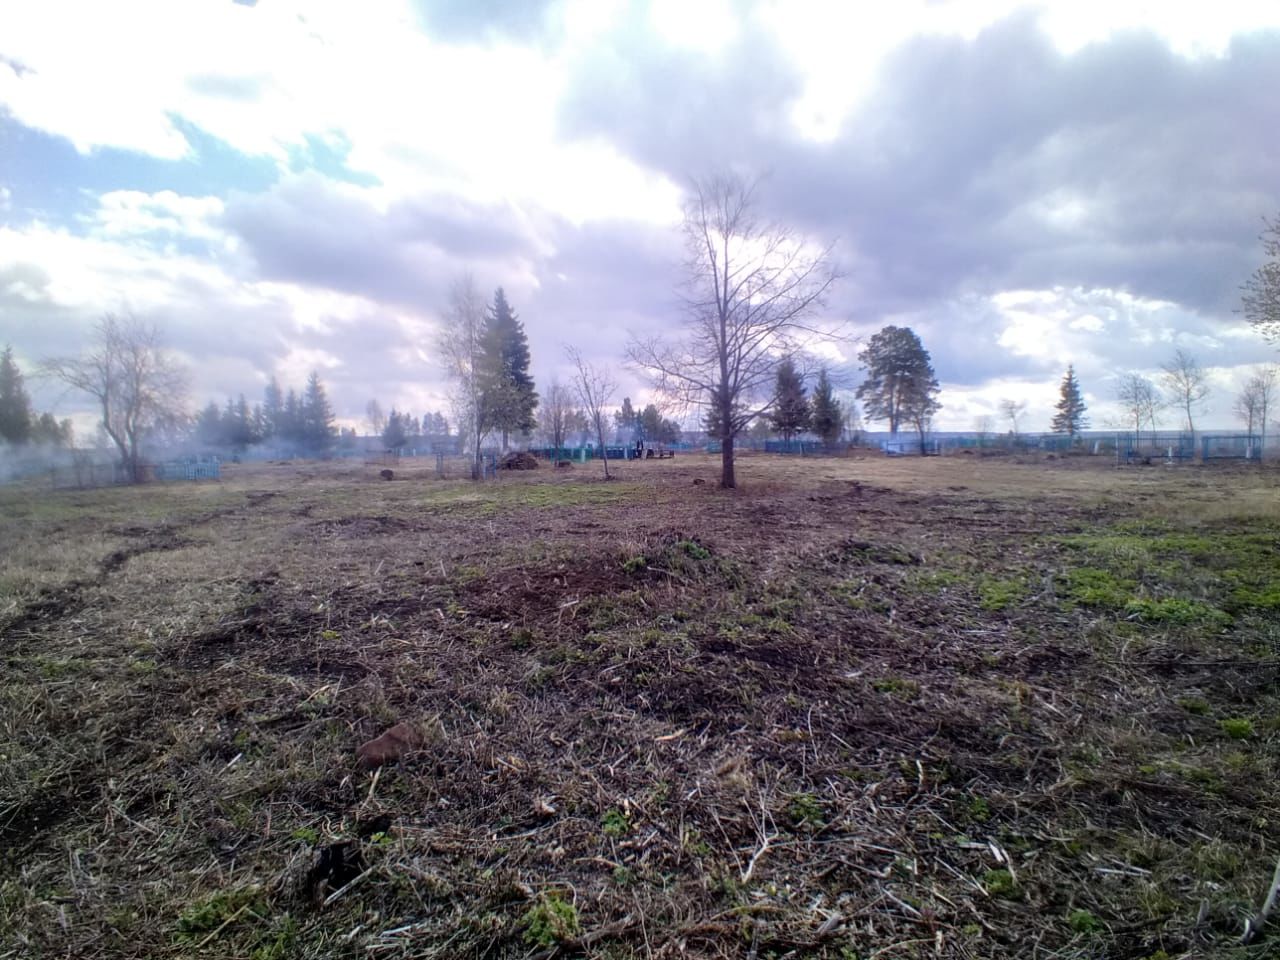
(292, 185)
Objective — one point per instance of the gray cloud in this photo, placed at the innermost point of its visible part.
(311, 230)
(944, 182)
(972, 167)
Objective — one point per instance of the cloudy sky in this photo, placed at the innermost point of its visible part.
(293, 185)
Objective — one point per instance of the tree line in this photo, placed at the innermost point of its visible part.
(754, 296)
(20, 425)
(292, 422)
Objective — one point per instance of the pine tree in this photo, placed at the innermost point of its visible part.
(790, 411)
(901, 386)
(317, 417)
(238, 424)
(15, 405)
(209, 430)
(507, 390)
(627, 421)
(47, 431)
(289, 422)
(827, 418)
(393, 434)
(1070, 418)
(650, 421)
(273, 410)
(900, 377)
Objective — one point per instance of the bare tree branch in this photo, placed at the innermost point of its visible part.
(595, 389)
(751, 290)
(134, 381)
(1187, 385)
(460, 344)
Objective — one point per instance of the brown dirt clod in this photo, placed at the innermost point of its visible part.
(389, 747)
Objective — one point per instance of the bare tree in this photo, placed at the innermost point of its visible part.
(1141, 401)
(751, 288)
(1266, 389)
(374, 416)
(462, 349)
(1260, 297)
(1245, 407)
(134, 380)
(1187, 385)
(983, 425)
(1254, 401)
(595, 389)
(556, 413)
(1011, 410)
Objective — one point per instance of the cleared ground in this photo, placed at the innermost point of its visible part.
(859, 708)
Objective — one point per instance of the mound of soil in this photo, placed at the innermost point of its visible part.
(519, 460)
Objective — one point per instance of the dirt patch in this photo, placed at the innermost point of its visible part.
(852, 706)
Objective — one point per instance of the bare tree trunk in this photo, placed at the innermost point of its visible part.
(727, 480)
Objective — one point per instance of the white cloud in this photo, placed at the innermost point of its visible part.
(128, 214)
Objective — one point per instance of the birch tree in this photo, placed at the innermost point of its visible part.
(461, 345)
(134, 381)
(753, 288)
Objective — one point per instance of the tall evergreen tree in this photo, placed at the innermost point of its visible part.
(209, 431)
(289, 428)
(507, 390)
(627, 422)
(650, 421)
(317, 431)
(789, 413)
(827, 418)
(901, 386)
(273, 409)
(393, 434)
(15, 405)
(239, 425)
(1070, 418)
(47, 431)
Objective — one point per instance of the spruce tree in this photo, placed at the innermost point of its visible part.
(627, 421)
(790, 410)
(508, 398)
(15, 405)
(47, 431)
(290, 421)
(209, 430)
(828, 418)
(394, 435)
(273, 409)
(1070, 418)
(317, 417)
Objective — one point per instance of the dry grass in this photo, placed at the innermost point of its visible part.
(940, 707)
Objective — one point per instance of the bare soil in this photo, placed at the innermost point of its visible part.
(959, 707)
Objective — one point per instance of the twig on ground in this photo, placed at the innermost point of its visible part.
(1253, 926)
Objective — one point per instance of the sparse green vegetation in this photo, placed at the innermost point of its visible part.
(220, 910)
(1084, 922)
(1237, 728)
(806, 811)
(996, 594)
(550, 921)
(1093, 587)
(899, 687)
(696, 710)
(615, 823)
(1000, 883)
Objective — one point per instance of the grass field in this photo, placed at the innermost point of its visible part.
(858, 708)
